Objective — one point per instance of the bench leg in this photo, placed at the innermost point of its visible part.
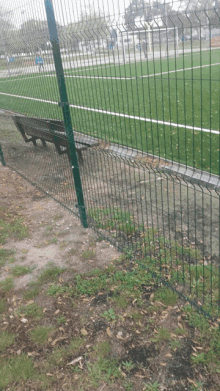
(43, 142)
(80, 156)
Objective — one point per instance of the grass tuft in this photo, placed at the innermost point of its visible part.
(6, 340)
(16, 369)
(32, 311)
(40, 334)
(18, 271)
(6, 285)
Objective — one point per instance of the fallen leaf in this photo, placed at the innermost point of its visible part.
(30, 302)
(57, 340)
(56, 312)
(169, 355)
(18, 352)
(163, 364)
(84, 331)
(44, 310)
(49, 374)
(75, 361)
(193, 382)
(108, 331)
(23, 320)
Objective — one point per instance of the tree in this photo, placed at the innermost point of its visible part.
(90, 27)
(7, 32)
(146, 12)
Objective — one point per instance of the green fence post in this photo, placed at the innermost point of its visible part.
(65, 107)
(2, 156)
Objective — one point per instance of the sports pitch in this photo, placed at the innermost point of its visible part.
(168, 107)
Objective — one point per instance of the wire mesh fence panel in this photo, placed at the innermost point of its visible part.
(143, 87)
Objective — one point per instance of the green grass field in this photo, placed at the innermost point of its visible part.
(182, 90)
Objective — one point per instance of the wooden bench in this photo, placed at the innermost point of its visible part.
(52, 131)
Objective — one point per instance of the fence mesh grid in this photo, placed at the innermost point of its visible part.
(143, 85)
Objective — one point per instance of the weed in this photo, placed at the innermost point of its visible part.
(113, 218)
(6, 339)
(89, 287)
(88, 254)
(55, 290)
(128, 386)
(53, 240)
(162, 335)
(180, 331)
(197, 320)
(198, 359)
(48, 230)
(71, 251)
(197, 386)
(129, 253)
(151, 386)
(175, 344)
(121, 300)
(109, 315)
(32, 310)
(166, 296)
(56, 358)
(103, 370)
(128, 365)
(31, 293)
(61, 319)
(11, 226)
(59, 354)
(137, 316)
(50, 274)
(39, 335)
(15, 369)
(57, 217)
(63, 244)
(102, 348)
(18, 271)
(6, 285)
(75, 344)
(5, 255)
(2, 306)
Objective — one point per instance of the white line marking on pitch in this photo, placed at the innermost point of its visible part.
(155, 121)
(141, 77)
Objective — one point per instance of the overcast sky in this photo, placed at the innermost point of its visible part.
(66, 11)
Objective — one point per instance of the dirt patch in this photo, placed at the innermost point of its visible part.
(54, 235)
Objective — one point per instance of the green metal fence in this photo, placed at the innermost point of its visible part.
(116, 113)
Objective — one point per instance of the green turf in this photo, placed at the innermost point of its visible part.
(189, 97)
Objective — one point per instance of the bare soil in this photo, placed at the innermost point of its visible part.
(55, 235)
